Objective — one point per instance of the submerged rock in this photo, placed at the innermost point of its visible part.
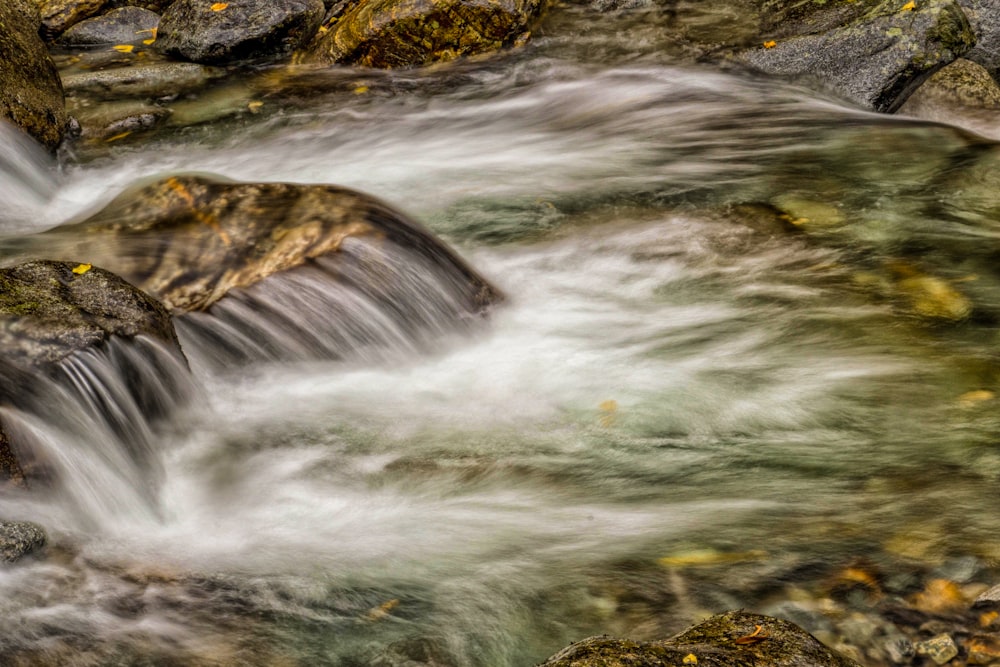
(877, 60)
(962, 93)
(19, 539)
(225, 32)
(410, 33)
(732, 639)
(127, 25)
(190, 239)
(141, 80)
(31, 96)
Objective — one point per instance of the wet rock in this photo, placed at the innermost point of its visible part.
(877, 60)
(983, 649)
(19, 539)
(223, 32)
(962, 93)
(59, 15)
(984, 17)
(50, 311)
(733, 639)
(31, 96)
(940, 649)
(127, 25)
(148, 81)
(113, 121)
(189, 240)
(940, 596)
(410, 33)
(989, 599)
(899, 648)
(964, 569)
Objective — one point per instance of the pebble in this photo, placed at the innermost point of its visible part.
(18, 539)
(940, 649)
(990, 598)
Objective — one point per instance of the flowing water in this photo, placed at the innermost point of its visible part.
(675, 375)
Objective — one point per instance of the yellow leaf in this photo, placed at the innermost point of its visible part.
(690, 659)
(81, 269)
(970, 398)
(381, 611)
(361, 90)
(124, 48)
(909, 6)
(609, 413)
(770, 44)
(152, 37)
(219, 6)
(117, 137)
(255, 106)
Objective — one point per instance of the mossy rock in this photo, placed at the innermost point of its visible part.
(733, 639)
(411, 33)
(190, 239)
(31, 96)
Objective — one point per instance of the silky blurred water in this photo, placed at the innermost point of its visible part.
(682, 367)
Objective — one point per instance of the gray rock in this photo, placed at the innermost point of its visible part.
(48, 311)
(149, 81)
(18, 539)
(964, 569)
(193, 30)
(984, 16)
(899, 649)
(112, 120)
(990, 598)
(876, 61)
(127, 25)
(31, 96)
(733, 639)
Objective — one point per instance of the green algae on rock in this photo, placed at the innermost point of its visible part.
(732, 639)
(31, 96)
(411, 33)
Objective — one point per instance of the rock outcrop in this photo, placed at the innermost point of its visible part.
(31, 96)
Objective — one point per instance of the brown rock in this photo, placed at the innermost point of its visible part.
(410, 33)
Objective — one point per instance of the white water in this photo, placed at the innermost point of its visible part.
(661, 380)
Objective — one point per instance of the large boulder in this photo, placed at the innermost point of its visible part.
(53, 311)
(31, 96)
(224, 32)
(190, 239)
(409, 33)
(876, 60)
(733, 639)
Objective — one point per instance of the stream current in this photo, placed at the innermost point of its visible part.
(670, 381)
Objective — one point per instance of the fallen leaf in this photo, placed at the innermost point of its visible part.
(970, 398)
(770, 44)
(117, 137)
(361, 90)
(219, 6)
(609, 413)
(381, 611)
(81, 269)
(690, 659)
(758, 635)
(152, 37)
(124, 48)
(255, 106)
(909, 6)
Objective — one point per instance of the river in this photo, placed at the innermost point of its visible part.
(673, 379)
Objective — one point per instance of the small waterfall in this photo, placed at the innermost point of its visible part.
(94, 428)
(27, 179)
(371, 301)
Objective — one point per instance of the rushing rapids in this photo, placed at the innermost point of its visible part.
(746, 324)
